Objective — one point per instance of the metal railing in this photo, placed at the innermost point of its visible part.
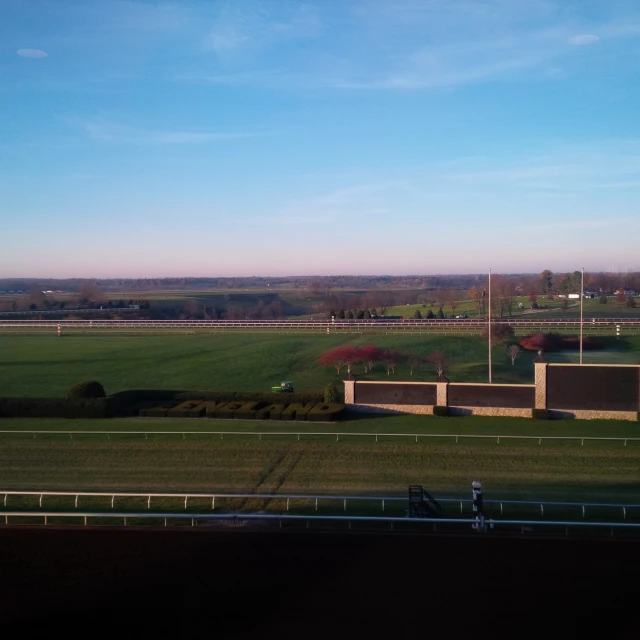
(490, 523)
(336, 435)
(315, 498)
(314, 324)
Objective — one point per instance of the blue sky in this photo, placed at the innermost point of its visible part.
(237, 137)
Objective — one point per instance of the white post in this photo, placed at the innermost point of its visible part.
(581, 311)
(489, 326)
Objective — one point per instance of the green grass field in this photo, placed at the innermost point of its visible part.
(45, 366)
(523, 470)
(48, 366)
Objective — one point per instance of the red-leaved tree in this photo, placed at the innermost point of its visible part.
(542, 341)
(340, 357)
(439, 361)
(392, 357)
(369, 355)
(499, 331)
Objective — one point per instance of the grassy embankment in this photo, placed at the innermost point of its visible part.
(48, 366)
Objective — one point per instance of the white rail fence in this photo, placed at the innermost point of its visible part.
(581, 507)
(296, 434)
(525, 526)
(451, 323)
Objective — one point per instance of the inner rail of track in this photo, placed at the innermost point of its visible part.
(582, 507)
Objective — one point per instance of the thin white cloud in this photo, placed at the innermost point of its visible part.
(31, 53)
(583, 39)
(583, 225)
(109, 132)
(252, 26)
(226, 38)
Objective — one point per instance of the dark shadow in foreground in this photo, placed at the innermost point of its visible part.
(316, 585)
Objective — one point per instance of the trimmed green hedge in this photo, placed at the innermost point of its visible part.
(86, 389)
(246, 396)
(325, 412)
(540, 414)
(156, 411)
(440, 411)
(228, 410)
(297, 411)
(270, 412)
(248, 410)
(211, 407)
(54, 408)
(185, 409)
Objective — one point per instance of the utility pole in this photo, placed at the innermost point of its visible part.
(489, 324)
(581, 311)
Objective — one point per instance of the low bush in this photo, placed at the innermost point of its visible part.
(325, 412)
(248, 410)
(440, 411)
(53, 408)
(244, 396)
(270, 412)
(587, 343)
(331, 393)
(212, 408)
(227, 410)
(297, 411)
(185, 409)
(555, 342)
(87, 389)
(499, 331)
(156, 411)
(540, 414)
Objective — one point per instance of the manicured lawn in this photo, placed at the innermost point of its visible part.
(603, 472)
(48, 366)
(353, 423)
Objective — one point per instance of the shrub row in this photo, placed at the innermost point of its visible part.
(54, 408)
(252, 410)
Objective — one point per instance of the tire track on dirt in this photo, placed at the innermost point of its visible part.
(274, 477)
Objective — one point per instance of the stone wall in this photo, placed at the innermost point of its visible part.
(568, 391)
(491, 395)
(402, 393)
(594, 415)
(593, 387)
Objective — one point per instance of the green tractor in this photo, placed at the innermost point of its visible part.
(285, 387)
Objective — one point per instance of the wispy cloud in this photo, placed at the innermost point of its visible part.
(260, 25)
(583, 225)
(110, 132)
(583, 39)
(31, 53)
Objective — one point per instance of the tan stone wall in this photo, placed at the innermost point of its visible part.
(441, 391)
(594, 415)
(541, 384)
(349, 386)
(491, 411)
(423, 409)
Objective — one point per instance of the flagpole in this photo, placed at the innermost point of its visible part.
(581, 311)
(489, 326)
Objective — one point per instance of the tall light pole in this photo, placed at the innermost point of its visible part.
(581, 311)
(489, 326)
